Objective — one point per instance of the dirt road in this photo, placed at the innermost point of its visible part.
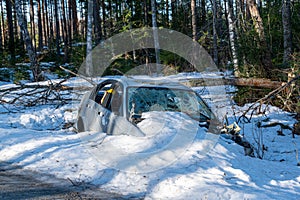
(19, 184)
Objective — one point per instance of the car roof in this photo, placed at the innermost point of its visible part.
(147, 81)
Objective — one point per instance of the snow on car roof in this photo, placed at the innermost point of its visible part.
(148, 81)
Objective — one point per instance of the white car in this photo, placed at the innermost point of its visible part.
(116, 105)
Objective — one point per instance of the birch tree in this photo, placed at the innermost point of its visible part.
(232, 37)
(89, 44)
(194, 19)
(37, 75)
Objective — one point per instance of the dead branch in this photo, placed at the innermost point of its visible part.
(78, 75)
(33, 94)
(257, 104)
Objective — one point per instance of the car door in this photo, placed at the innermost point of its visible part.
(106, 106)
(99, 105)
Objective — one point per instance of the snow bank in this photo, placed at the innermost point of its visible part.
(209, 167)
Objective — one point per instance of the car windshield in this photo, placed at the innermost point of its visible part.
(145, 99)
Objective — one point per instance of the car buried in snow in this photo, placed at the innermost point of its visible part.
(118, 103)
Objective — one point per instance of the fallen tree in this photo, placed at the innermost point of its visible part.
(250, 82)
(256, 106)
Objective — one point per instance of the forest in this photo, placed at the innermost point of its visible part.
(253, 38)
(253, 91)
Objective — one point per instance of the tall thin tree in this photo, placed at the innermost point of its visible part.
(89, 44)
(194, 19)
(155, 36)
(287, 31)
(215, 33)
(11, 41)
(232, 36)
(32, 22)
(37, 75)
(259, 28)
(57, 27)
(40, 27)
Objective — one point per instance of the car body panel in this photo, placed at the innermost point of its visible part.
(108, 107)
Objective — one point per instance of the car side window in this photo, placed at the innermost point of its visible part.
(109, 95)
(99, 92)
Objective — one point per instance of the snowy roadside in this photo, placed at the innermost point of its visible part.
(35, 140)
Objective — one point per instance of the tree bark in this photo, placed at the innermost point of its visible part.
(74, 17)
(33, 33)
(57, 28)
(203, 13)
(11, 41)
(259, 28)
(194, 20)
(49, 26)
(155, 36)
(65, 32)
(287, 31)
(232, 37)
(247, 82)
(2, 25)
(215, 34)
(89, 45)
(40, 28)
(103, 19)
(44, 23)
(97, 22)
(37, 75)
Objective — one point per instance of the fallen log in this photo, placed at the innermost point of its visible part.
(255, 82)
(250, 82)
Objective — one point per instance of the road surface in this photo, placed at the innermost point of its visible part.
(19, 184)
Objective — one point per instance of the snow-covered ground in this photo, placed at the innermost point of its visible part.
(211, 166)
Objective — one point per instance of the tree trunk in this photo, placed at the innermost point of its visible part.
(97, 22)
(65, 32)
(40, 29)
(194, 20)
(103, 18)
(259, 28)
(51, 26)
(146, 13)
(247, 82)
(89, 45)
(37, 75)
(44, 23)
(74, 17)
(11, 41)
(48, 24)
(203, 13)
(215, 34)
(155, 36)
(57, 28)
(287, 31)
(232, 37)
(69, 24)
(111, 25)
(32, 24)
(2, 25)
